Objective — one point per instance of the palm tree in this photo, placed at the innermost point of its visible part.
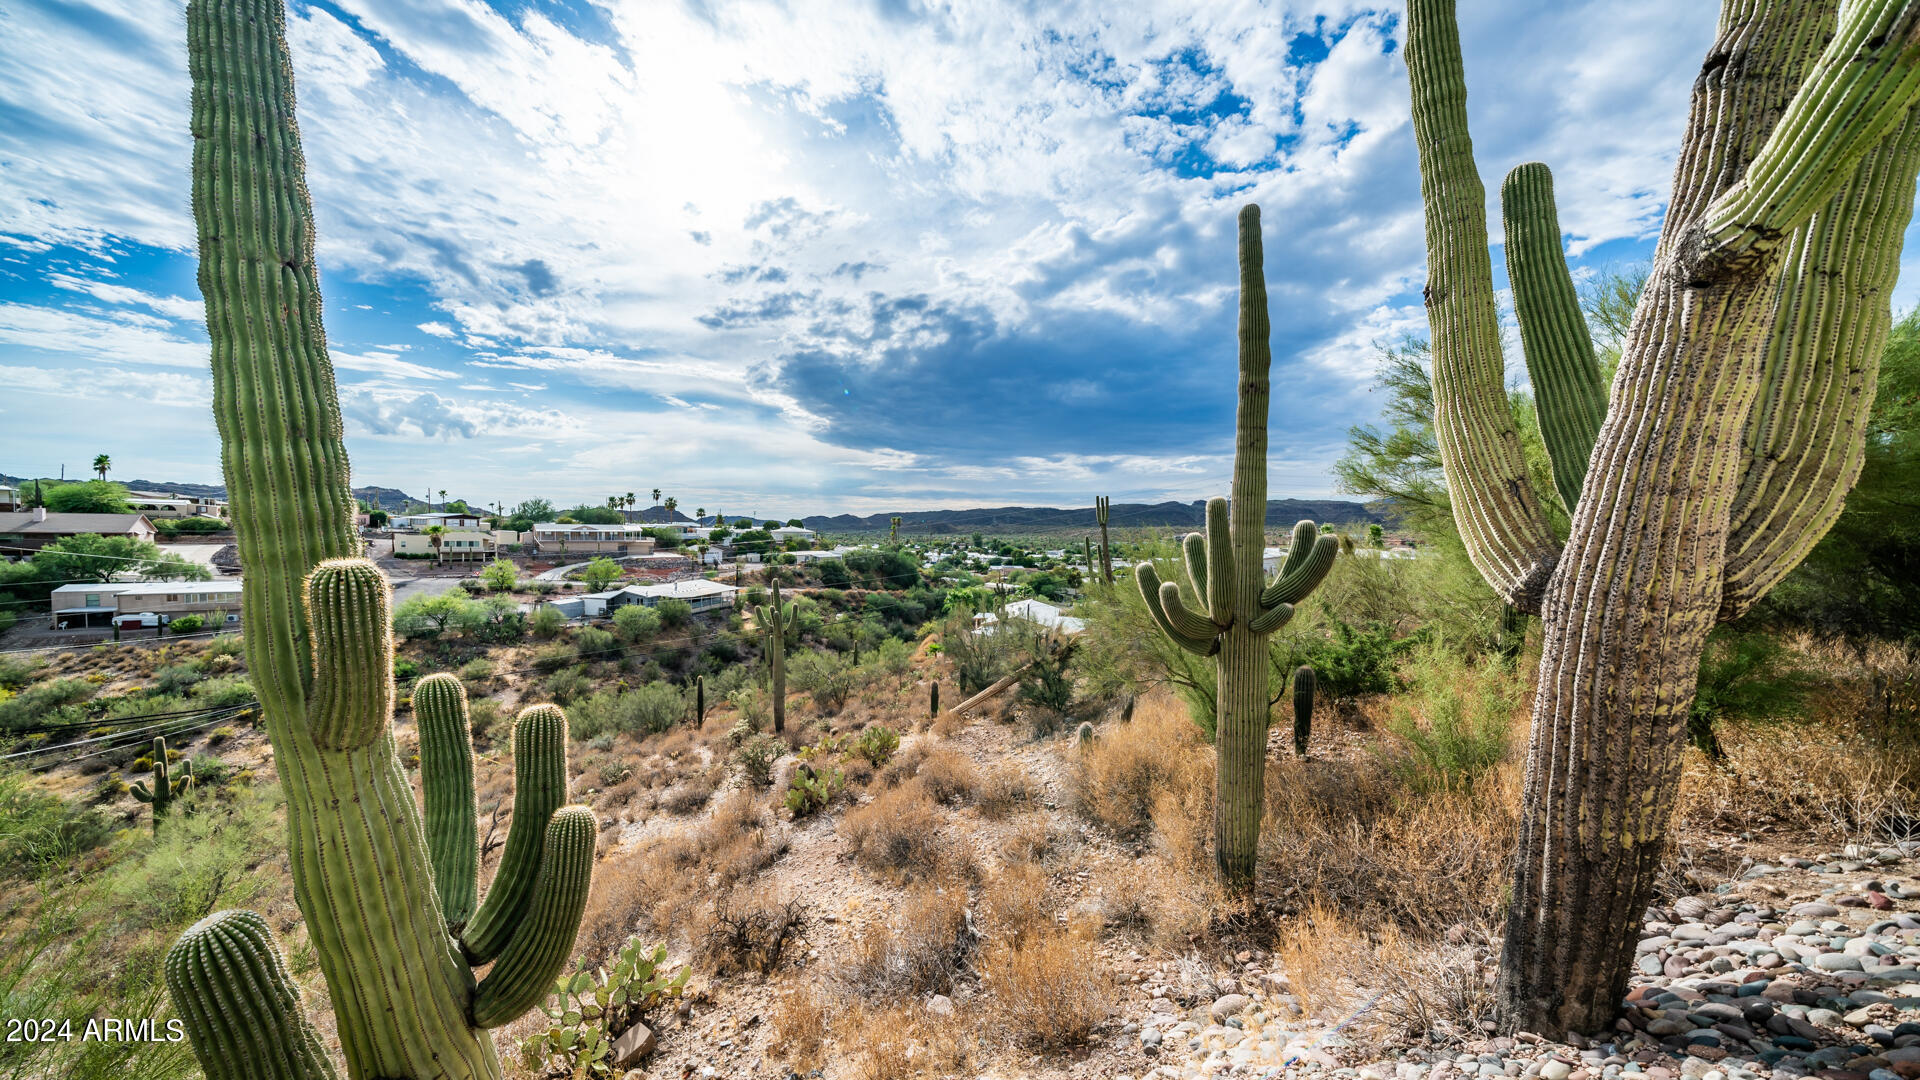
(443, 498)
(101, 463)
(656, 494)
(628, 500)
(671, 504)
(435, 535)
(700, 515)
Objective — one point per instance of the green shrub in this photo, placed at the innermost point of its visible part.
(546, 621)
(593, 643)
(223, 691)
(1355, 661)
(1455, 718)
(587, 1012)
(405, 670)
(554, 657)
(568, 686)
(187, 624)
(651, 709)
(635, 622)
(826, 677)
(40, 830)
(614, 772)
(674, 613)
(1743, 676)
(499, 576)
(756, 755)
(476, 671)
(174, 678)
(17, 671)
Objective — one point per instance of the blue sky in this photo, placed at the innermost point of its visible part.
(796, 257)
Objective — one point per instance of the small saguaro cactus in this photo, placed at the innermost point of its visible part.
(388, 897)
(1239, 608)
(165, 785)
(699, 700)
(1101, 504)
(1303, 687)
(893, 529)
(776, 619)
(933, 701)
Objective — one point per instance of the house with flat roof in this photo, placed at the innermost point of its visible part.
(96, 604)
(162, 504)
(455, 545)
(554, 539)
(449, 519)
(699, 593)
(1038, 612)
(24, 532)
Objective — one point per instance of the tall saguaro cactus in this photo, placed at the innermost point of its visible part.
(1101, 505)
(1238, 608)
(383, 891)
(1733, 429)
(776, 619)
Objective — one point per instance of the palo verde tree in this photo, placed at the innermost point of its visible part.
(1238, 609)
(1723, 452)
(387, 895)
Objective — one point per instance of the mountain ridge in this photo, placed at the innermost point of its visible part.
(1280, 512)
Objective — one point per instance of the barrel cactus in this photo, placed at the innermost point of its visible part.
(1238, 608)
(1721, 454)
(165, 785)
(387, 895)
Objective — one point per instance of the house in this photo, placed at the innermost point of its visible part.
(96, 604)
(1038, 612)
(699, 593)
(162, 504)
(445, 520)
(552, 538)
(24, 532)
(841, 552)
(456, 545)
(9, 500)
(790, 532)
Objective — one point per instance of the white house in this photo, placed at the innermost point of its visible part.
(448, 520)
(96, 603)
(1036, 611)
(790, 532)
(840, 552)
(699, 593)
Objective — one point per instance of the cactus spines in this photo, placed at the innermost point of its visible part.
(1303, 687)
(524, 974)
(349, 606)
(364, 876)
(241, 1008)
(1239, 607)
(165, 785)
(446, 775)
(539, 789)
(1731, 432)
(1101, 505)
(775, 620)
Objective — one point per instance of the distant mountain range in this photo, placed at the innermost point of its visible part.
(1034, 519)
(385, 498)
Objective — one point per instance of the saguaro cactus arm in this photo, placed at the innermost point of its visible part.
(539, 789)
(525, 972)
(446, 777)
(1569, 394)
(1806, 434)
(240, 1007)
(1501, 522)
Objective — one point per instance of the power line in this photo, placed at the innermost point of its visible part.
(125, 739)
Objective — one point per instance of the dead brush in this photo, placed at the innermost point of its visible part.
(1118, 778)
(801, 1026)
(900, 1041)
(1014, 904)
(896, 835)
(1437, 992)
(1006, 789)
(1351, 835)
(927, 945)
(1832, 780)
(752, 932)
(1050, 989)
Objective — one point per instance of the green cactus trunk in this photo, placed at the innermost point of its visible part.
(164, 786)
(1731, 434)
(319, 644)
(1101, 505)
(775, 619)
(1303, 687)
(1238, 608)
(933, 702)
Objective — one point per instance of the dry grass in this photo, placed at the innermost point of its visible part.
(949, 776)
(1014, 903)
(1005, 790)
(1050, 988)
(927, 945)
(1422, 992)
(1119, 778)
(801, 1026)
(751, 932)
(897, 835)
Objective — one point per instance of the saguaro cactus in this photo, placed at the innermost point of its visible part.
(1239, 609)
(1101, 504)
(775, 620)
(1733, 430)
(381, 889)
(165, 784)
(933, 702)
(1304, 684)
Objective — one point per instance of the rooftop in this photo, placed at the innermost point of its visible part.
(104, 524)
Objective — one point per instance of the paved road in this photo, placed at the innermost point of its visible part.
(406, 588)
